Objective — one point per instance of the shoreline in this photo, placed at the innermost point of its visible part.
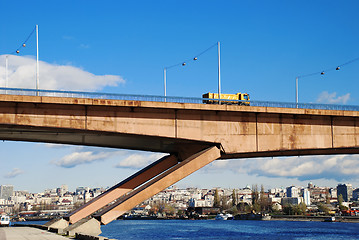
(351, 219)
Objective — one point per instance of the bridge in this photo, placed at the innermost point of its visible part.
(192, 133)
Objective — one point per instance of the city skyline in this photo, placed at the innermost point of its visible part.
(289, 191)
(123, 47)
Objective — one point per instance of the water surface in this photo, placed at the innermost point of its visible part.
(211, 229)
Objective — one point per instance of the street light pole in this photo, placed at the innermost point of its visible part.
(37, 58)
(165, 77)
(296, 91)
(6, 74)
(219, 71)
(165, 81)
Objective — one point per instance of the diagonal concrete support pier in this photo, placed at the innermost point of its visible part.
(57, 223)
(159, 183)
(122, 188)
(143, 184)
(88, 226)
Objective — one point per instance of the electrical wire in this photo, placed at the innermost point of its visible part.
(17, 51)
(189, 59)
(351, 61)
(206, 50)
(329, 69)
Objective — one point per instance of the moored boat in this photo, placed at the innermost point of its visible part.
(4, 221)
(330, 219)
(221, 216)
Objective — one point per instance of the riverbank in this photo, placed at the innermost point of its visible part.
(352, 219)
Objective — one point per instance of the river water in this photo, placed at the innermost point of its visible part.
(212, 229)
(241, 229)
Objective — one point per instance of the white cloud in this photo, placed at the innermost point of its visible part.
(332, 98)
(22, 71)
(337, 167)
(220, 164)
(15, 172)
(78, 158)
(139, 160)
(57, 145)
(88, 155)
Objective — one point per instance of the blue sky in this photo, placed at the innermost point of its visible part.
(123, 47)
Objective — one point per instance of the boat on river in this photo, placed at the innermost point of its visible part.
(330, 219)
(221, 216)
(4, 221)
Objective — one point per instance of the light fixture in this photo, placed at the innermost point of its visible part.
(183, 63)
(322, 73)
(338, 68)
(195, 58)
(17, 51)
(24, 45)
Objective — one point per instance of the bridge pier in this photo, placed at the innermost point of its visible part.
(157, 184)
(122, 188)
(57, 225)
(88, 226)
(140, 186)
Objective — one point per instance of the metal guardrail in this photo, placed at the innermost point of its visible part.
(153, 98)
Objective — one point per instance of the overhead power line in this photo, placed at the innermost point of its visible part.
(17, 51)
(338, 67)
(183, 63)
(23, 44)
(194, 59)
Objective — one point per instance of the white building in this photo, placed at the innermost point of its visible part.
(306, 197)
(18, 199)
(273, 200)
(292, 192)
(244, 195)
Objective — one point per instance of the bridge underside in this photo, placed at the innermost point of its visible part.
(178, 147)
(174, 146)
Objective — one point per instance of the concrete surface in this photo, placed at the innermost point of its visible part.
(28, 233)
(57, 223)
(86, 226)
(242, 131)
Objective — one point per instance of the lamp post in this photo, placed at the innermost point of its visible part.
(219, 71)
(6, 67)
(37, 59)
(165, 76)
(313, 74)
(17, 51)
(296, 92)
(164, 81)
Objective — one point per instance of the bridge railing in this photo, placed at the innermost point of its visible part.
(153, 98)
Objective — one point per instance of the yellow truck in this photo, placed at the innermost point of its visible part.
(241, 98)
